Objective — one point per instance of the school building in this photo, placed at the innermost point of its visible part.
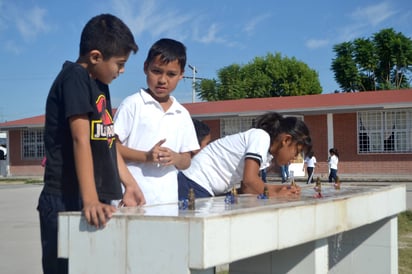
(371, 130)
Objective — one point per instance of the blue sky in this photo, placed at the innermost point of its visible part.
(37, 36)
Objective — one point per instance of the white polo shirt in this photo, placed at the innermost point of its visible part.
(333, 162)
(310, 162)
(140, 123)
(219, 166)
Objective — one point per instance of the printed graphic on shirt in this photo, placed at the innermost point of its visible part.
(103, 129)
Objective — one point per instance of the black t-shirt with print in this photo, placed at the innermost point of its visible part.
(75, 93)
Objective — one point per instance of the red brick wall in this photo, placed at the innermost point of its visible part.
(18, 166)
(318, 131)
(214, 128)
(345, 140)
(27, 170)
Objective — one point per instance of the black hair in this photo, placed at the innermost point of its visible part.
(169, 50)
(202, 130)
(310, 154)
(334, 151)
(109, 35)
(275, 124)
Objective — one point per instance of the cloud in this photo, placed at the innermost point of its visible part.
(365, 19)
(153, 18)
(12, 47)
(316, 43)
(373, 15)
(28, 22)
(351, 32)
(210, 36)
(251, 25)
(20, 25)
(32, 23)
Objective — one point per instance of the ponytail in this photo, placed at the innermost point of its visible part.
(275, 124)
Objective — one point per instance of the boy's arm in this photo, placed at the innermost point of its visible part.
(157, 154)
(96, 213)
(133, 155)
(133, 195)
(168, 157)
(185, 159)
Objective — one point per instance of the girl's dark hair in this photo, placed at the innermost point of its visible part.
(202, 130)
(334, 151)
(169, 51)
(109, 35)
(275, 124)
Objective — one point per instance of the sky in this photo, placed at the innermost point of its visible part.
(37, 36)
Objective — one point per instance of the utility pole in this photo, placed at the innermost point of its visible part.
(194, 71)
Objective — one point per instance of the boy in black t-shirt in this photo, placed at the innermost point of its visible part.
(83, 169)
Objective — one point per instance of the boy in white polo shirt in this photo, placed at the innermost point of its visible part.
(155, 131)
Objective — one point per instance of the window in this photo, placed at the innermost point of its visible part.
(234, 125)
(32, 144)
(385, 131)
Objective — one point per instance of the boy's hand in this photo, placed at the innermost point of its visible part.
(167, 157)
(153, 154)
(133, 196)
(98, 214)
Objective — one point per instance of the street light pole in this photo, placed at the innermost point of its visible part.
(194, 71)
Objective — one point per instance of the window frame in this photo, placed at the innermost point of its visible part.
(384, 131)
(32, 144)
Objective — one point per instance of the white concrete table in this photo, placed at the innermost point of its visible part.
(352, 230)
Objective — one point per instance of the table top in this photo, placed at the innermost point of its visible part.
(246, 203)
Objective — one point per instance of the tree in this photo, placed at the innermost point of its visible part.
(270, 76)
(381, 62)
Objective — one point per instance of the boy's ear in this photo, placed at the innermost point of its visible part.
(95, 56)
(145, 66)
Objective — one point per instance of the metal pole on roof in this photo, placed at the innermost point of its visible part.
(194, 71)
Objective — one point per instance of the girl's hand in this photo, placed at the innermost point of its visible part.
(284, 191)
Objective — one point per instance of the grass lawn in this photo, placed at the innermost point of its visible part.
(405, 242)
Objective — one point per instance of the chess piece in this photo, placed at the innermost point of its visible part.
(191, 199)
(318, 188)
(337, 183)
(235, 195)
(266, 192)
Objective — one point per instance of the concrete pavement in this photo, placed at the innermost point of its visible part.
(20, 250)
